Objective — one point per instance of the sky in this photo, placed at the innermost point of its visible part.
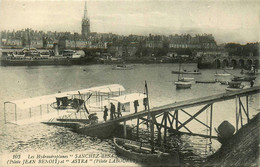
(227, 20)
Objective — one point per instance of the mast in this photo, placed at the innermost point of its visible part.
(150, 119)
(179, 70)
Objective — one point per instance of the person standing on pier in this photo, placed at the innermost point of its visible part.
(112, 111)
(251, 83)
(145, 102)
(119, 114)
(136, 104)
(105, 113)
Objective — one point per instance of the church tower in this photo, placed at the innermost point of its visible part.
(85, 26)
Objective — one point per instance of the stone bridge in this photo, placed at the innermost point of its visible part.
(215, 60)
(236, 62)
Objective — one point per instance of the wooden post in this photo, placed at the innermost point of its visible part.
(165, 126)
(247, 109)
(210, 129)
(176, 119)
(150, 120)
(30, 111)
(236, 116)
(240, 112)
(152, 135)
(125, 129)
(137, 128)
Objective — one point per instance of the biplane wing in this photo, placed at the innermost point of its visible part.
(128, 97)
(34, 102)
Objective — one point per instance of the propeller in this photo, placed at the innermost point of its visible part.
(84, 102)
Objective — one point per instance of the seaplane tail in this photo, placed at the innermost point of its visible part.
(41, 118)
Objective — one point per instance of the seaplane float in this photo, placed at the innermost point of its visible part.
(76, 109)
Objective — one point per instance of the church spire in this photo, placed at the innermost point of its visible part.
(85, 11)
(85, 26)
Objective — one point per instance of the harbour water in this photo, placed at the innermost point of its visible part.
(23, 82)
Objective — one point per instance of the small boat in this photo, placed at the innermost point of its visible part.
(222, 74)
(234, 86)
(187, 79)
(122, 67)
(183, 84)
(224, 82)
(229, 68)
(141, 152)
(207, 82)
(195, 72)
(247, 78)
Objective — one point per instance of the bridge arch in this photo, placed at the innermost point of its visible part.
(241, 63)
(217, 63)
(233, 63)
(256, 63)
(249, 62)
(225, 63)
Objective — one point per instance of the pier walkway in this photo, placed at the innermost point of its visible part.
(177, 107)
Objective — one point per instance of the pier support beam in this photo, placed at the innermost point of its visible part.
(210, 126)
(137, 129)
(165, 126)
(125, 129)
(152, 134)
(195, 115)
(176, 120)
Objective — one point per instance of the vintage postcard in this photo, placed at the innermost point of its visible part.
(129, 83)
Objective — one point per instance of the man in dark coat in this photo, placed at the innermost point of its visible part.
(145, 103)
(136, 104)
(105, 113)
(119, 114)
(112, 111)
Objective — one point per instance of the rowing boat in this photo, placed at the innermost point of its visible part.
(141, 152)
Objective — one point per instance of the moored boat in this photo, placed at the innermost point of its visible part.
(122, 67)
(195, 72)
(187, 79)
(222, 74)
(33, 57)
(247, 78)
(141, 152)
(206, 82)
(183, 84)
(229, 68)
(234, 86)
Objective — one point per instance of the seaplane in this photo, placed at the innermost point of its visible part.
(68, 109)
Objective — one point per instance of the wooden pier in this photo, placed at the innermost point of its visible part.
(170, 114)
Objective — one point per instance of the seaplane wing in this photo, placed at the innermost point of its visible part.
(34, 102)
(101, 89)
(129, 97)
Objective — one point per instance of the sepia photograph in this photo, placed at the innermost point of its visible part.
(129, 83)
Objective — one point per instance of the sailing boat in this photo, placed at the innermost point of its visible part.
(182, 83)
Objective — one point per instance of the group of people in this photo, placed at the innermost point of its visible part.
(113, 113)
(118, 114)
